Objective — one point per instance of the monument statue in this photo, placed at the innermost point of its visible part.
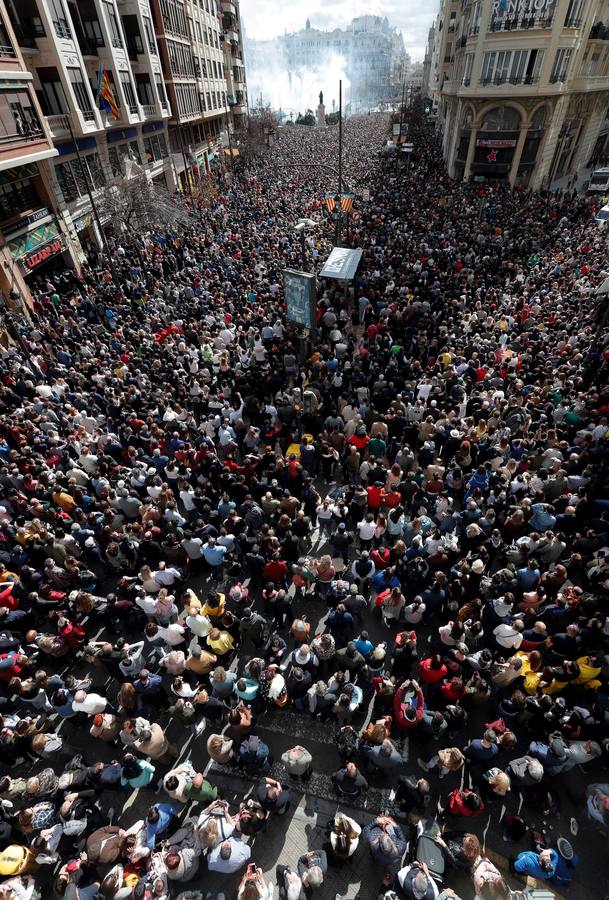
(321, 112)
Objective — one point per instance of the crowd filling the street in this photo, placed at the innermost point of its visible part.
(393, 533)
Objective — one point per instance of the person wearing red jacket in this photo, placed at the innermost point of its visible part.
(71, 633)
(432, 670)
(375, 495)
(465, 803)
(6, 596)
(408, 705)
(276, 570)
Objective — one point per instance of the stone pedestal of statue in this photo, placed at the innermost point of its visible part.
(321, 116)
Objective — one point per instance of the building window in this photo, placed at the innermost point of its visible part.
(155, 148)
(113, 26)
(59, 19)
(501, 118)
(82, 94)
(467, 68)
(160, 86)
(51, 96)
(93, 32)
(129, 93)
(144, 90)
(511, 67)
(561, 64)
(149, 32)
(575, 13)
(74, 179)
(18, 118)
(16, 195)
(115, 163)
(174, 17)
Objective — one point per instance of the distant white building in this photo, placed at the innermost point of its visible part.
(375, 59)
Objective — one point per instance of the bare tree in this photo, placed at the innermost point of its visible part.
(258, 133)
(133, 205)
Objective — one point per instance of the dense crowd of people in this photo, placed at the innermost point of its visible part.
(401, 529)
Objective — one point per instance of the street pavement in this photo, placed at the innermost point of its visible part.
(303, 828)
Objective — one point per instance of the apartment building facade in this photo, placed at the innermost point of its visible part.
(65, 43)
(524, 95)
(32, 230)
(202, 54)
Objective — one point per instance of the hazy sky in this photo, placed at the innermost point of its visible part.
(269, 18)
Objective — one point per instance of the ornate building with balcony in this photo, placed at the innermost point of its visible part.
(65, 43)
(33, 233)
(202, 55)
(525, 95)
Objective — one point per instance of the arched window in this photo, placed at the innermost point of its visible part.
(501, 118)
(539, 119)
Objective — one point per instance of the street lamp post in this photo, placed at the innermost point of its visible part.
(340, 161)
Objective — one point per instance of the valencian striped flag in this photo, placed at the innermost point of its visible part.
(331, 202)
(105, 97)
(346, 202)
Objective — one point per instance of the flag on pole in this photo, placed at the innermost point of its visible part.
(346, 202)
(330, 202)
(105, 97)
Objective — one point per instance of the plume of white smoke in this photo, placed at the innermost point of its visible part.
(294, 90)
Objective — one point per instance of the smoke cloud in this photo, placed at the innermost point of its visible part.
(297, 90)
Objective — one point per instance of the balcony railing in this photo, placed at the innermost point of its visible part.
(58, 125)
(33, 132)
(149, 109)
(520, 24)
(133, 109)
(62, 29)
(599, 32)
(506, 79)
(474, 29)
(6, 50)
(572, 22)
(558, 76)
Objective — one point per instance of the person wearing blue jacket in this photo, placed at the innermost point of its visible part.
(540, 865)
(158, 820)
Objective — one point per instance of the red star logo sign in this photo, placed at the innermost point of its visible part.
(492, 156)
